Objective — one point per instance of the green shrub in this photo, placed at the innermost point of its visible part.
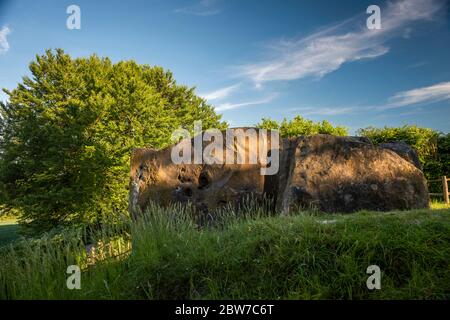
(299, 126)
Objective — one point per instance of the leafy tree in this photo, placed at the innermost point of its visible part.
(443, 154)
(438, 164)
(268, 124)
(68, 130)
(300, 126)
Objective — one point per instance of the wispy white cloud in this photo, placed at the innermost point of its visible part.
(4, 45)
(424, 95)
(327, 50)
(231, 106)
(326, 111)
(417, 65)
(414, 98)
(220, 93)
(201, 8)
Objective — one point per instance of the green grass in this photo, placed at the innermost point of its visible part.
(439, 205)
(304, 256)
(9, 231)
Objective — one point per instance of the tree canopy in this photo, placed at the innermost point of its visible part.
(300, 126)
(67, 132)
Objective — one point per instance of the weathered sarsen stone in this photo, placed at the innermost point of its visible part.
(404, 150)
(333, 174)
(208, 186)
(347, 174)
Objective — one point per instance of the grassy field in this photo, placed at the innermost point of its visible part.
(439, 205)
(304, 256)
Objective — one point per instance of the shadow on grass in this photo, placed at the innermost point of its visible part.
(9, 232)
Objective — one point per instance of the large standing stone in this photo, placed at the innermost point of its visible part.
(333, 174)
(154, 177)
(347, 174)
(404, 150)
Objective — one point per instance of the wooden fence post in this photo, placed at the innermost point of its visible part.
(445, 189)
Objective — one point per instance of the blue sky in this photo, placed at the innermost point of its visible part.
(254, 59)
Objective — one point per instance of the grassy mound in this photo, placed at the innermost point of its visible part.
(305, 256)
